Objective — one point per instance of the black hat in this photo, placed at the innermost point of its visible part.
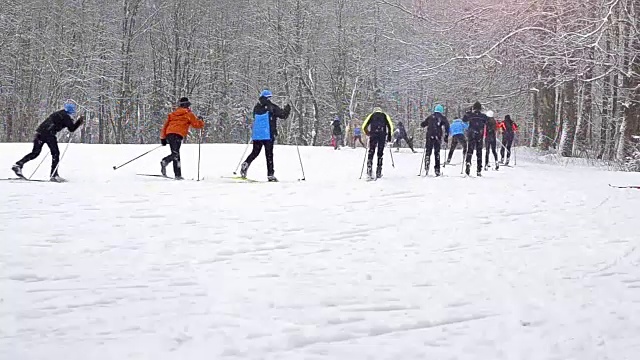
(184, 102)
(477, 106)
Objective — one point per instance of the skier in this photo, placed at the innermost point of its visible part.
(434, 124)
(508, 127)
(490, 136)
(378, 127)
(401, 134)
(477, 121)
(265, 114)
(174, 130)
(357, 135)
(46, 134)
(457, 129)
(336, 132)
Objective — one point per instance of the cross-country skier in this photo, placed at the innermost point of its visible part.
(46, 134)
(490, 136)
(434, 124)
(336, 132)
(378, 127)
(477, 121)
(265, 114)
(357, 135)
(457, 130)
(509, 128)
(401, 134)
(174, 130)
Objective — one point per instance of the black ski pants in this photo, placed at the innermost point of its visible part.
(457, 139)
(376, 142)
(475, 143)
(174, 141)
(38, 142)
(507, 142)
(359, 138)
(268, 150)
(405, 138)
(433, 144)
(491, 146)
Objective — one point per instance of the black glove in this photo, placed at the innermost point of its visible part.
(287, 108)
(389, 138)
(446, 139)
(200, 118)
(163, 142)
(80, 120)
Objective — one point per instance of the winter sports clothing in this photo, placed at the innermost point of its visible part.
(174, 130)
(434, 134)
(378, 123)
(438, 109)
(70, 108)
(457, 139)
(477, 122)
(265, 114)
(46, 133)
(458, 127)
(357, 135)
(509, 127)
(378, 127)
(401, 134)
(336, 130)
(490, 136)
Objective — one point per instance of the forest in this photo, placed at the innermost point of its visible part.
(568, 71)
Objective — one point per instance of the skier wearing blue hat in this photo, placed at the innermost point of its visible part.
(434, 124)
(46, 134)
(265, 115)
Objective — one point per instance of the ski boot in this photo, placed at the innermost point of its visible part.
(18, 170)
(437, 172)
(497, 166)
(507, 162)
(177, 177)
(272, 178)
(243, 169)
(479, 173)
(467, 170)
(57, 178)
(486, 167)
(370, 173)
(163, 168)
(379, 172)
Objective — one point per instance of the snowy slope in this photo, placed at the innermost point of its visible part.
(530, 262)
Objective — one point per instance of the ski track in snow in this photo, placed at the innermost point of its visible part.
(530, 262)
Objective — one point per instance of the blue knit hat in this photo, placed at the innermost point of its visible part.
(266, 93)
(70, 108)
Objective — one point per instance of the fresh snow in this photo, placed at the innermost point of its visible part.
(536, 261)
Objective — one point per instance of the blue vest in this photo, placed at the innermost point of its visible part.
(261, 127)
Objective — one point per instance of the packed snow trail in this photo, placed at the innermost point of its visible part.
(530, 262)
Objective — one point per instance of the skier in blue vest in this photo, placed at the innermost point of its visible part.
(264, 133)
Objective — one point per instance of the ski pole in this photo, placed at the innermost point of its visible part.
(136, 158)
(445, 154)
(393, 164)
(64, 152)
(38, 167)
(515, 151)
(300, 159)
(199, 142)
(424, 155)
(364, 159)
(464, 158)
(242, 158)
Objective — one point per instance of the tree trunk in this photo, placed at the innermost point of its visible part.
(570, 118)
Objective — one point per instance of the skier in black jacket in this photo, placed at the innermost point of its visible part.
(336, 133)
(401, 134)
(46, 134)
(490, 135)
(434, 124)
(477, 121)
(378, 127)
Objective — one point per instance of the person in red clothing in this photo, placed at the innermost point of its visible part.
(175, 129)
(508, 128)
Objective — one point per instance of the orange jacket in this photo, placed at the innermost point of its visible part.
(178, 122)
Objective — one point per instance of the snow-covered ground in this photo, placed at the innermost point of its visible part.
(530, 262)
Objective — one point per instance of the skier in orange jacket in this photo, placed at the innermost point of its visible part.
(175, 129)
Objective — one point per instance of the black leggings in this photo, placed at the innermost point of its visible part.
(475, 143)
(268, 149)
(507, 141)
(491, 146)
(38, 142)
(376, 142)
(457, 139)
(432, 144)
(174, 141)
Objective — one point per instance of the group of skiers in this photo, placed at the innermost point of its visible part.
(470, 131)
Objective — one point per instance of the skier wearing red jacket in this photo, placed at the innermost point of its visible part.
(509, 128)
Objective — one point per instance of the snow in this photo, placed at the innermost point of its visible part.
(536, 261)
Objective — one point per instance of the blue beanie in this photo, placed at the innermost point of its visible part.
(438, 109)
(266, 93)
(70, 108)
